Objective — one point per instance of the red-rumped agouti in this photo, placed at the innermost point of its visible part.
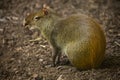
(78, 36)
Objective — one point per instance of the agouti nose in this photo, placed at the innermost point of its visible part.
(25, 23)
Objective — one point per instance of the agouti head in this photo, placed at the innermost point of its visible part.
(35, 18)
(44, 20)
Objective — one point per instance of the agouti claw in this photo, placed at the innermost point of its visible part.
(53, 65)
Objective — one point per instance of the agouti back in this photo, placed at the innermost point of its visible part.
(78, 36)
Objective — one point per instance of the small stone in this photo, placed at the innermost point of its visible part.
(12, 59)
(1, 30)
(47, 66)
(60, 78)
(110, 30)
(3, 20)
(15, 18)
(43, 46)
(41, 60)
(35, 75)
(119, 34)
(19, 48)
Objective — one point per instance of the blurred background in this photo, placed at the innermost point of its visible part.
(23, 59)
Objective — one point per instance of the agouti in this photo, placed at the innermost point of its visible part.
(78, 36)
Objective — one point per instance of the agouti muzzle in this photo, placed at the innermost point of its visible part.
(78, 36)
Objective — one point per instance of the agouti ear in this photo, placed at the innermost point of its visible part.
(45, 11)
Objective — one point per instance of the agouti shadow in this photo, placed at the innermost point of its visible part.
(110, 62)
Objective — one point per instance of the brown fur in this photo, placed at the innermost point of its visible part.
(78, 36)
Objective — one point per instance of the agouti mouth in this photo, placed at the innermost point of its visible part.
(33, 27)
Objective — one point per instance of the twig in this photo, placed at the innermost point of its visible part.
(34, 40)
(117, 43)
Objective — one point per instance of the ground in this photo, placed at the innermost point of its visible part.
(23, 59)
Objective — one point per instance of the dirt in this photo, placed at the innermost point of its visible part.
(23, 59)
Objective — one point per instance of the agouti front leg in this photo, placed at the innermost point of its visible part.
(56, 56)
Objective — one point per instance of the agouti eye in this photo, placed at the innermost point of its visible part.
(37, 17)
